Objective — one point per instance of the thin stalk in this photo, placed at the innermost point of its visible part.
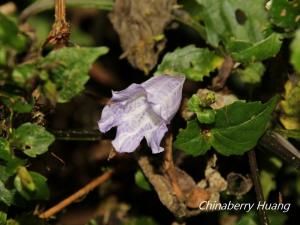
(257, 186)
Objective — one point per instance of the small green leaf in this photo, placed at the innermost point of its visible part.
(285, 14)
(289, 133)
(23, 74)
(5, 153)
(40, 190)
(10, 35)
(191, 140)
(68, 69)
(239, 126)
(141, 221)
(264, 49)
(295, 51)
(252, 74)
(32, 139)
(206, 116)
(6, 196)
(17, 103)
(3, 217)
(141, 181)
(267, 182)
(194, 63)
(246, 220)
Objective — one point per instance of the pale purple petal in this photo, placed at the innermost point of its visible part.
(165, 93)
(154, 138)
(142, 110)
(110, 116)
(137, 121)
(127, 93)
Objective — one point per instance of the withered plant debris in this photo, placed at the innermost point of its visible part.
(140, 25)
(207, 189)
(238, 184)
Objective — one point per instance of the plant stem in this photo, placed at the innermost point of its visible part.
(77, 135)
(77, 195)
(257, 186)
(43, 5)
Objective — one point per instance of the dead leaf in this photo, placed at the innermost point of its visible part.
(140, 25)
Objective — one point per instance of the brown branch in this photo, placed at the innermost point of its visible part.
(224, 73)
(77, 195)
(170, 168)
(60, 33)
(257, 186)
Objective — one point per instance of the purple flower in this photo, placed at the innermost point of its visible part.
(142, 110)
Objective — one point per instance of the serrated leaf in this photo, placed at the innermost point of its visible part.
(32, 139)
(234, 20)
(141, 181)
(41, 190)
(193, 62)
(295, 51)
(239, 126)
(5, 195)
(191, 140)
(285, 14)
(264, 49)
(70, 68)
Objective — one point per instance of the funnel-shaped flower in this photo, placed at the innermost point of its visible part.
(142, 110)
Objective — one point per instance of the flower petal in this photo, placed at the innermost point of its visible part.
(110, 116)
(127, 93)
(137, 121)
(155, 136)
(165, 93)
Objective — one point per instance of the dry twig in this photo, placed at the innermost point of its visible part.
(77, 195)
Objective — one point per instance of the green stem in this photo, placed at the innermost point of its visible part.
(77, 135)
(43, 5)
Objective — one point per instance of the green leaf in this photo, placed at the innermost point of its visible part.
(3, 217)
(6, 196)
(289, 133)
(32, 139)
(267, 182)
(252, 74)
(141, 221)
(5, 153)
(40, 190)
(239, 126)
(17, 103)
(9, 168)
(23, 74)
(295, 51)
(141, 181)
(285, 14)
(69, 70)
(246, 220)
(264, 49)
(10, 35)
(191, 140)
(193, 62)
(234, 20)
